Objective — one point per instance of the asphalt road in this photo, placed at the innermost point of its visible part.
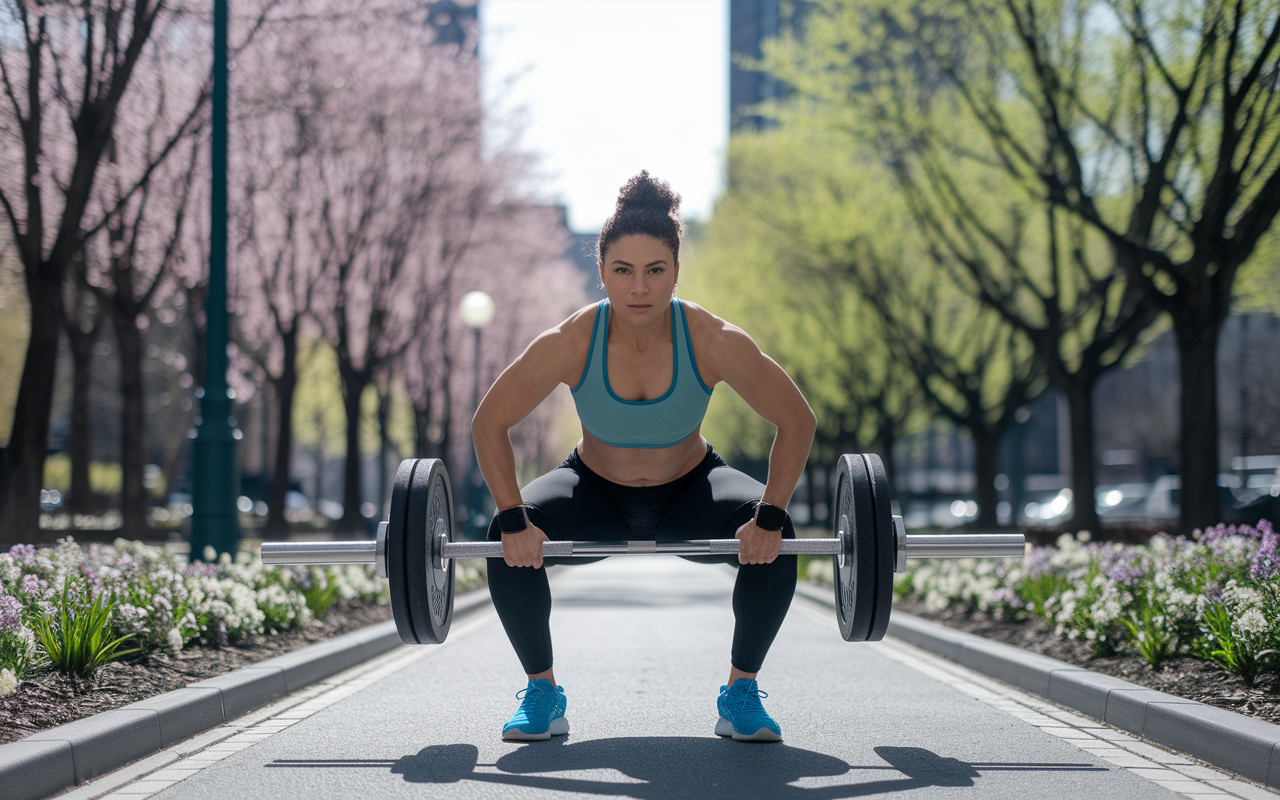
(642, 649)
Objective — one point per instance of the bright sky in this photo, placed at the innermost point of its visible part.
(611, 87)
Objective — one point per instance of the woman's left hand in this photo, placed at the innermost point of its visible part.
(756, 545)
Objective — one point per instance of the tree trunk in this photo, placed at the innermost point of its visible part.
(811, 492)
(285, 386)
(458, 476)
(1079, 395)
(986, 447)
(353, 383)
(888, 436)
(445, 445)
(80, 341)
(422, 428)
(22, 461)
(384, 446)
(133, 448)
(1198, 428)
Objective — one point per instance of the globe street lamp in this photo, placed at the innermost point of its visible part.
(477, 310)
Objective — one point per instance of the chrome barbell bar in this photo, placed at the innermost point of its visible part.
(909, 545)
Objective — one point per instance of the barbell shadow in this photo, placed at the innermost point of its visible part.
(671, 767)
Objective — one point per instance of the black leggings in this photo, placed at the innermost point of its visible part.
(710, 502)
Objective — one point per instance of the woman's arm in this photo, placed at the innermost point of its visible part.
(521, 387)
(735, 358)
(772, 394)
(557, 356)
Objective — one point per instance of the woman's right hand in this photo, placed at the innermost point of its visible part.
(524, 549)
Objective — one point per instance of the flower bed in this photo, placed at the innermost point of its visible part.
(1213, 597)
(71, 609)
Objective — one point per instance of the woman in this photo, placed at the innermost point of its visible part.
(642, 365)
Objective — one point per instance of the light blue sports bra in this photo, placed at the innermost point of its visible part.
(662, 422)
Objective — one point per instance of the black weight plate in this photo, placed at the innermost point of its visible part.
(395, 550)
(430, 581)
(855, 581)
(882, 515)
(440, 511)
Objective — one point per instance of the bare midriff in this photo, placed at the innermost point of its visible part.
(633, 466)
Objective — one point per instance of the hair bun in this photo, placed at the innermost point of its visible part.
(642, 191)
(648, 207)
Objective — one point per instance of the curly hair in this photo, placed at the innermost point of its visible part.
(645, 206)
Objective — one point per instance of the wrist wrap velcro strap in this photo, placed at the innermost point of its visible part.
(512, 520)
(769, 517)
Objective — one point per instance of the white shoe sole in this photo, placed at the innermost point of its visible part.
(725, 728)
(559, 727)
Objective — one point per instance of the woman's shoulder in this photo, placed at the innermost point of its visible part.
(580, 323)
(564, 346)
(704, 325)
(718, 344)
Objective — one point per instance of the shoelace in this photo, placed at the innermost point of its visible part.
(536, 697)
(757, 694)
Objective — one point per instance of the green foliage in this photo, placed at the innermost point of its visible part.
(319, 421)
(1258, 285)
(18, 651)
(979, 208)
(794, 203)
(15, 330)
(1216, 597)
(1223, 643)
(104, 479)
(1149, 629)
(1039, 593)
(319, 591)
(369, 421)
(816, 569)
(77, 637)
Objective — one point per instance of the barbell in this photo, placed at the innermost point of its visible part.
(415, 549)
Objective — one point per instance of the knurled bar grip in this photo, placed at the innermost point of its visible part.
(919, 545)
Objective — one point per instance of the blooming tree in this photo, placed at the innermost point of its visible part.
(63, 90)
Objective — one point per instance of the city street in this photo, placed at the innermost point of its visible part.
(642, 647)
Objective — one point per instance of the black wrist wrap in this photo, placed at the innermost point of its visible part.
(769, 517)
(512, 520)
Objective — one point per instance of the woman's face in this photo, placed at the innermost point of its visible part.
(639, 274)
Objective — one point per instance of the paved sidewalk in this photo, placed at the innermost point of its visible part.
(642, 648)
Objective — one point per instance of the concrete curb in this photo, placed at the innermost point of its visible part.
(47, 762)
(1243, 745)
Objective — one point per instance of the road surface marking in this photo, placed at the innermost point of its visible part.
(164, 769)
(1120, 749)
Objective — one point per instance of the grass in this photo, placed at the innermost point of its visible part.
(77, 637)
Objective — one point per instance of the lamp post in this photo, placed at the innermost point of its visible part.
(213, 496)
(477, 310)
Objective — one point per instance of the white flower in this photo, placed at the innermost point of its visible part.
(175, 640)
(1251, 621)
(820, 571)
(8, 682)
(132, 618)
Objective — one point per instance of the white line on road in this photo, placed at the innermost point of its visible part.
(1170, 770)
(1175, 772)
(158, 772)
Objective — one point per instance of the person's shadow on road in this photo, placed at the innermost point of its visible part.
(659, 768)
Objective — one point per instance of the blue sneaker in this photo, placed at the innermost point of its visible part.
(742, 716)
(540, 716)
